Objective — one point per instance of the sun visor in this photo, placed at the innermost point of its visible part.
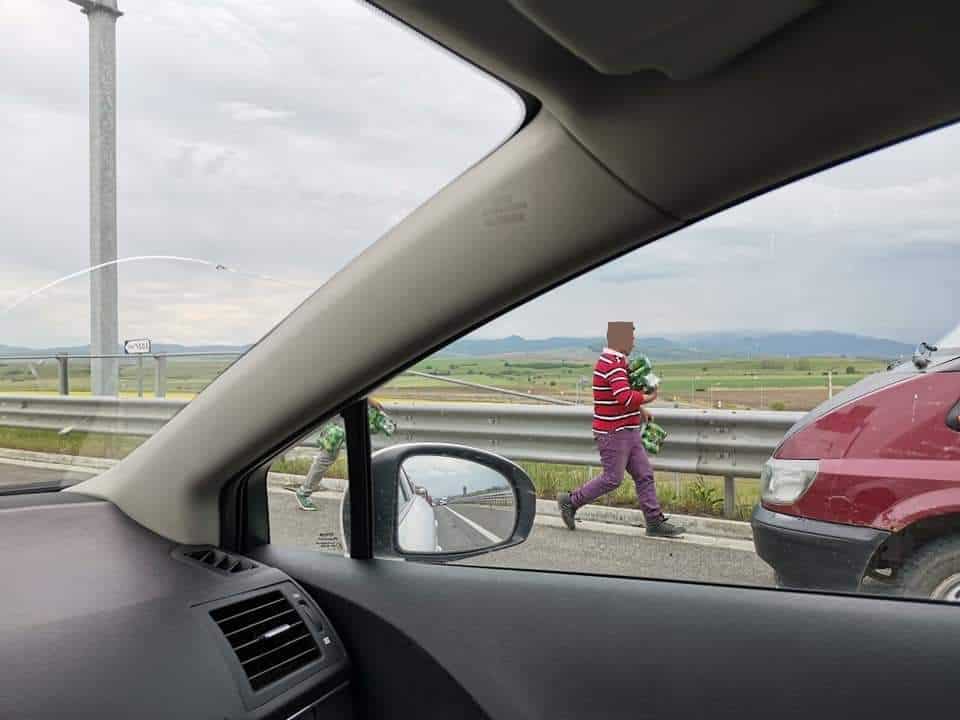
(682, 39)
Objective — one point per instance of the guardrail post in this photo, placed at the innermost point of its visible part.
(729, 497)
(160, 379)
(140, 376)
(64, 374)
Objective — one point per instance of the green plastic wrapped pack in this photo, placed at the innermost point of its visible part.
(380, 423)
(641, 374)
(332, 437)
(652, 437)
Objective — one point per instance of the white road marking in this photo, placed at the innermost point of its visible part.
(479, 528)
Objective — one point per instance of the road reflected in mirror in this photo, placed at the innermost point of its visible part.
(449, 504)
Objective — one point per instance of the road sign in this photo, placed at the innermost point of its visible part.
(136, 347)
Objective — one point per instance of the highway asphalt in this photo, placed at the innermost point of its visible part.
(591, 549)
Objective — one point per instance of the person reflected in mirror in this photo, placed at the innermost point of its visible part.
(329, 441)
(618, 419)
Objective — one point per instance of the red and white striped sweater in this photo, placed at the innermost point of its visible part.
(616, 406)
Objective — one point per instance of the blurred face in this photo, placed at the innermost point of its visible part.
(620, 336)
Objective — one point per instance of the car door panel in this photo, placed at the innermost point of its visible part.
(549, 645)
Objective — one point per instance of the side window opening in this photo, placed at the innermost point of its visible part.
(675, 408)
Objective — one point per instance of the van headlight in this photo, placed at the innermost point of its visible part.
(782, 482)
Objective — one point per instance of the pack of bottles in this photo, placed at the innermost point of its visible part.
(331, 439)
(641, 374)
(652, 437)
(380, 422)
(643, 378)
(332, 436)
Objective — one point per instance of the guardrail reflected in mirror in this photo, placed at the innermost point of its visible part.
(450, 504)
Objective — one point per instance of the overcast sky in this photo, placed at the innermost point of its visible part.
(277, 138)
(282, 138)
(869, 247)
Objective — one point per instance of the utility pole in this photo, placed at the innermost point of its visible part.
(104, 315)
(760, 382)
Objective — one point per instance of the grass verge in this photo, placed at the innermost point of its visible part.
(72, 443)
(685, 494)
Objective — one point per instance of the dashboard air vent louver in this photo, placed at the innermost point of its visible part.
(269, 637)
(220, 560)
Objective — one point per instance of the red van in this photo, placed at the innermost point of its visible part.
(867, 485)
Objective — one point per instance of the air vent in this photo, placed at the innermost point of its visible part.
(269, 637)
(219, 560)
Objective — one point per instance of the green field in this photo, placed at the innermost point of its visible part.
(772, 383)
(779, 380)
(80, 444)
(185, 376)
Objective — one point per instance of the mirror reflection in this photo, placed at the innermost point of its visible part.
(448, 504)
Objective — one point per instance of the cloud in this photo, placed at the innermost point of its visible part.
(617, 275)
(283, 139)
(280, 140)
(896, 196)
(249, 112)
(870, 246)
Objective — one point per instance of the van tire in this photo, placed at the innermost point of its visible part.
(932, 571)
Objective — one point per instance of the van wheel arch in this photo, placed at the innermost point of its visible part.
(932, 571)
(902, 552)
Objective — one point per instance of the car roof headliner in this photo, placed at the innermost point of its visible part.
(796, 88)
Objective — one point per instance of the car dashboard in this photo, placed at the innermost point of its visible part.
(102, 618)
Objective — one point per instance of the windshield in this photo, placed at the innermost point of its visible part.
(240, 155)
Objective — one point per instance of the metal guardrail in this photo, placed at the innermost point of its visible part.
(503, 497)
(105, 415)
(728, 443)
(708, 442)
(159, 372)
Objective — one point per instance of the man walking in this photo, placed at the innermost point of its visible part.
(330, 441)
(617, 420)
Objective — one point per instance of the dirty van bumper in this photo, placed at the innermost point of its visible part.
(812, 554)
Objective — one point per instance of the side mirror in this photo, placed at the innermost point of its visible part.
(921, 356)
(437, 502)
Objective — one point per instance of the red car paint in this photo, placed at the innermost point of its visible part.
(887, 459)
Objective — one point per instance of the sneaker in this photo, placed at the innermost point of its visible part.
(664, 528)
(567, 510)
(303, 500)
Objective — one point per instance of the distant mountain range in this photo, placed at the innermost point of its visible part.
(706, 346)
(696, 347)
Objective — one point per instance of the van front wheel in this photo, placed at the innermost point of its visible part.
(933, 571)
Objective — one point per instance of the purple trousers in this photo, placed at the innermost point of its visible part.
(621, 451)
